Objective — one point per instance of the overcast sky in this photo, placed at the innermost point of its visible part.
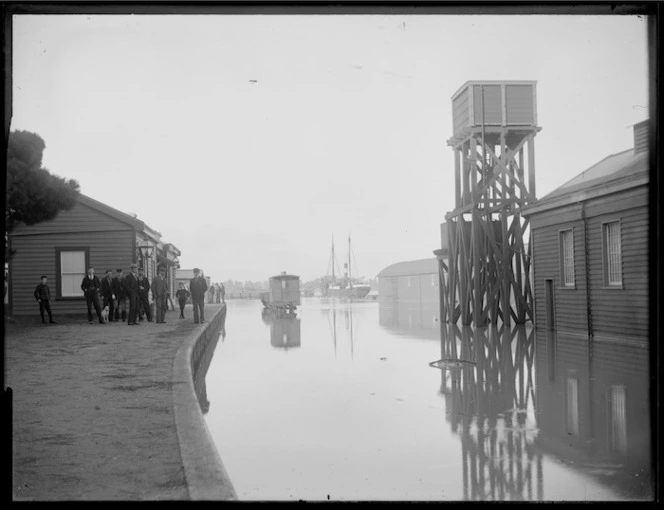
(249, 141)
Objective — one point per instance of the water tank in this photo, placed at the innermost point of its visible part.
(494, 104)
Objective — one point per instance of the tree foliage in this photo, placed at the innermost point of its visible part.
(33, 193)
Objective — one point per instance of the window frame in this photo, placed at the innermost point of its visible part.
(606, 284)
(58, 270)
(561, 256)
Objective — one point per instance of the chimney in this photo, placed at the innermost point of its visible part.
(641, 137)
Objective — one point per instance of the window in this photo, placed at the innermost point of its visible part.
(617, 419)
(72, 265)
(409, 281)
(283, 284)
(434, 280)
(612, 253)
(567, 258)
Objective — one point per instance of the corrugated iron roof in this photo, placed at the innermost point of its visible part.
(611, 167)
(615, 170)
(411, 267)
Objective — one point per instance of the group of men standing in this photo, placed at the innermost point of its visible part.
(116, 291)
(133, 289)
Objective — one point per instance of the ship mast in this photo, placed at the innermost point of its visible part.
(334, 279)
(350, 278)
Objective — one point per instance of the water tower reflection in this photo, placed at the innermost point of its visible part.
(526, 396)
(491, 405)
(284, 329)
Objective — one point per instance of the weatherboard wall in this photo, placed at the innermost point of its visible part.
(108, 242)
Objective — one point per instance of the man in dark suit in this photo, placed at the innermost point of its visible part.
(90, 287)
(143, 301)
(120, 296)
(131, 289)
(160, 295)
(108, 295)
(43, 297)
(197, 287)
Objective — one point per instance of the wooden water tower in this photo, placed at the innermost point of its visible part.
(485, 263)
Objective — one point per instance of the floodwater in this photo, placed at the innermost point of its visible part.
(345, 402)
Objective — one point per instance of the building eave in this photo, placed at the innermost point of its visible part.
(582, 196)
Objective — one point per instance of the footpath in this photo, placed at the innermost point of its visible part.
(106, 411)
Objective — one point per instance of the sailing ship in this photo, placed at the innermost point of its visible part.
(345, 287)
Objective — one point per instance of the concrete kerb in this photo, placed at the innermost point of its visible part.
(204, 471)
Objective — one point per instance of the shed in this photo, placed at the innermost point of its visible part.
(89, 234)
(590, 249)
(284, 290)
(410, 286)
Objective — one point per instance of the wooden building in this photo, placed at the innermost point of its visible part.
(408, 293)
(590, 248)
(90, 234)
(284, 291)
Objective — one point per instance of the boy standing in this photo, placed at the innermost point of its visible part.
(182, 294)
(43, 297)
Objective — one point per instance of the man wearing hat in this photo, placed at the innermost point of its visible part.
(120, 296)
(160, 294)
(144, 302)
(197, 287)
(131, 288)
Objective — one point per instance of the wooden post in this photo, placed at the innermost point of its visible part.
(531, 167)
(506, 305)
(457, 178)
(465, 164)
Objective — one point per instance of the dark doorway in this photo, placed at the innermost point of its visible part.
(549, 304)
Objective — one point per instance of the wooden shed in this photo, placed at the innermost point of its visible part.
(89, 234)
(284, 291)
(590, 249)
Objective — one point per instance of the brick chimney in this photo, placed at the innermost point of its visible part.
(641, 137)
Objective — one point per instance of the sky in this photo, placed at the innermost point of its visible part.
(251, 141)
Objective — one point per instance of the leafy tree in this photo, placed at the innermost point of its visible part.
(33, 193)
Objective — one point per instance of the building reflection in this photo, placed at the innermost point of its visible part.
(284, 329)
(530, 395)
(415, 318)
(594, 409)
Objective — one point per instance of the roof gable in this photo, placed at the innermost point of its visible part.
(411, 267)
(627, 169)
(86, 215)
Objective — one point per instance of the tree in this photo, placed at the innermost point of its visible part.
(33, 193)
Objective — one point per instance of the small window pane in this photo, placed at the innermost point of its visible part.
(71, 284)
(567, 255)
(72, 262)
(613, 257)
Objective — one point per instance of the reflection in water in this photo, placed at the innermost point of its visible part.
(535, 416)
(588, 409)
(342, 319)
(284, 329)
(412, 318)
(491, 406)
(201, 362)
(594, 409)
